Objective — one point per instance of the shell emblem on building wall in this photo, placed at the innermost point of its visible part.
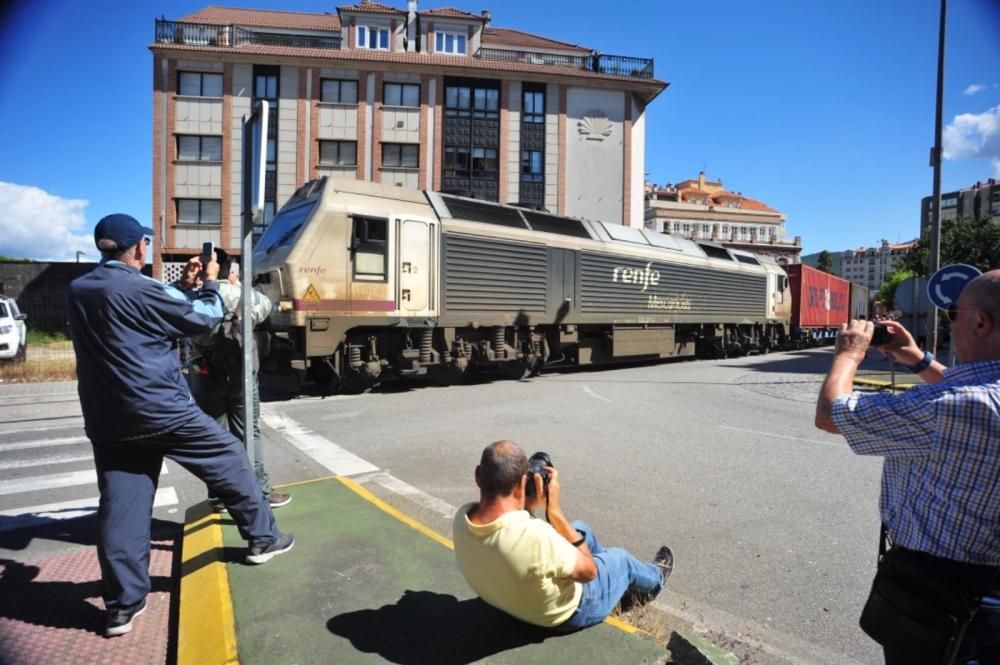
(595, 126)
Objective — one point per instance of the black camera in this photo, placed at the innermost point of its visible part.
(536, 466)
(881, 335)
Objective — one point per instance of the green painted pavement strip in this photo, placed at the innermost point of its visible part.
(361, 586)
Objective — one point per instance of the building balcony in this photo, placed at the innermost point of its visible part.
(235, 36)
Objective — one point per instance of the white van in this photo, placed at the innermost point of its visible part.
(12, 331)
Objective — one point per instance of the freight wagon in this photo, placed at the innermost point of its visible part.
(820, 304)
(375, 282)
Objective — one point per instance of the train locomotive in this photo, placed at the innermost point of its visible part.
(374, 281)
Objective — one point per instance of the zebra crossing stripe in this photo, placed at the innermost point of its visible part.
(18, 518)
(42, 443)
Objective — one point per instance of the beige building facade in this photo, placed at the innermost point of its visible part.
(869, 266)
(421, 98)
(702, 209)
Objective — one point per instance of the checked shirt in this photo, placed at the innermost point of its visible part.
(941, 474)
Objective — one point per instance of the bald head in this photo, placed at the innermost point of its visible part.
(501, 467)
(984, 292)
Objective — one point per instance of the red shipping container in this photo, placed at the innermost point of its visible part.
(819, 299)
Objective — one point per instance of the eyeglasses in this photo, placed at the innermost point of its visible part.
(147, 240)
(953, 310)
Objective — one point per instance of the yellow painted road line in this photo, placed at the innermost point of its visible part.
(435, 536)
(207, 630)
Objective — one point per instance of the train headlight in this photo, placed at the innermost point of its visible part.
(285, 305)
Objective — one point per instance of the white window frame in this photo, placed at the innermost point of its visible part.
(366, 34)
(441, 42)
(214, 77)
(200, 221)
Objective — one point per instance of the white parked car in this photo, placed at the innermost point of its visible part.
(13, 333)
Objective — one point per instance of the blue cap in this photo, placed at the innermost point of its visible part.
(122, 229)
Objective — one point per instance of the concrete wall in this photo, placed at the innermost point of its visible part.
(595, 150)
(40, 290)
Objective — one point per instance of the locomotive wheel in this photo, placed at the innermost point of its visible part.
(447, 374)
(357, 380)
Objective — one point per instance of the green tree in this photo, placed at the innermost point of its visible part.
(976, 243)
(887, 292)
(824, 262)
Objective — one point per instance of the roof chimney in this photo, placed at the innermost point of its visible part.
(486, 18)
(411, 25)
(701, 180)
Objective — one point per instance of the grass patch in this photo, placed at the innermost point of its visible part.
(42, 338)
(38, 370)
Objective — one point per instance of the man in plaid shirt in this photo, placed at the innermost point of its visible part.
(941, 446)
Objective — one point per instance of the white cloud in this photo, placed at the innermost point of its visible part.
(974, 135)
(37, 225)
(973, 89)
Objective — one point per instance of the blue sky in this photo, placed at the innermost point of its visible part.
(824, 110)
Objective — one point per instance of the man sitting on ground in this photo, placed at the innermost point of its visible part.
(552, 574)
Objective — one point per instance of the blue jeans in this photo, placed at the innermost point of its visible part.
(127, 475)
(618, 572)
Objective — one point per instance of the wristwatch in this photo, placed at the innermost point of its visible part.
(923, 364)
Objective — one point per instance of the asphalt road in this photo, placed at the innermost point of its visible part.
(773, 522)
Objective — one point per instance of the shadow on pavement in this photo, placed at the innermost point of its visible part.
(16, 533)
(55, 604)
(429, 627)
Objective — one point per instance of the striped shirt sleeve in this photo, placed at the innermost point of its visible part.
(888, 425)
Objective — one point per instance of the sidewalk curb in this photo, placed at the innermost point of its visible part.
(206, 606)
(878, 383)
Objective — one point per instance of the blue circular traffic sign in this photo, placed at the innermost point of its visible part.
(945, 286)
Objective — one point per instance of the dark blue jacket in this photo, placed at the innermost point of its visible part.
(124, 326)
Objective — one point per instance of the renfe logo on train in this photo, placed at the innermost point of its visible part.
(645, 277)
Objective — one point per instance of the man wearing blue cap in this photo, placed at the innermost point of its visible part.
(137, 410)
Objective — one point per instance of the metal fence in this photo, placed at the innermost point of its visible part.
(616, 65)
(207, 34)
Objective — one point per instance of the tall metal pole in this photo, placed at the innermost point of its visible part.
(935, 230)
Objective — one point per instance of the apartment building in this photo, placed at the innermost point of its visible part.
(702, 209)
(869, 266)
(434, 98)
(980, 201)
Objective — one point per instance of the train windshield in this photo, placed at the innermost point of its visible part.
(285, 226)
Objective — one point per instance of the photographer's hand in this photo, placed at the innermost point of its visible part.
(585, 569)
(212, 269)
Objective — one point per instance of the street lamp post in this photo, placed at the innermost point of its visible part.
(935, 230)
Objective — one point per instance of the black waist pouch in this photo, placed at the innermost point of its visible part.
(918, 609)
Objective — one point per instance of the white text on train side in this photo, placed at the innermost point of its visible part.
(645, 277)
(675, 303)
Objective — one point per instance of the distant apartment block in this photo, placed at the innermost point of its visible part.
(703, 210)
(980, 201)
(432, 98)
(869, 266)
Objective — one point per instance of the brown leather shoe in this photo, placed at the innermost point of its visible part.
(277, 499)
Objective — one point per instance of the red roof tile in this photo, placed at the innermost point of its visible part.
(501, 37)
(369, 7)
(652, 87)
(264, 18)
(450, 12)
(755, 205)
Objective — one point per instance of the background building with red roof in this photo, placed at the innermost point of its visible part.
(702, 210)
(431, 98)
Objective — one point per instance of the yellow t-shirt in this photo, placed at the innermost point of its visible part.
(518, 564)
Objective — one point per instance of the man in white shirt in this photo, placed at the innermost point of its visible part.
(552, 574)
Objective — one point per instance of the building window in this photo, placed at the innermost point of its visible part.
(373, 37)
(199, 148)
(456, 162)
(199, 84)
(484, 102)
(401, 94)
(199, 211)
(484, 160)
(452, 43)
(400, 155)
(533, 106)
(950, 202)
(369, 249)
(339, 92)
(338, 153)
(531, 165)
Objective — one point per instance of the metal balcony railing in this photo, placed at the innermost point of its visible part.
(617, 65)
(207, 34)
